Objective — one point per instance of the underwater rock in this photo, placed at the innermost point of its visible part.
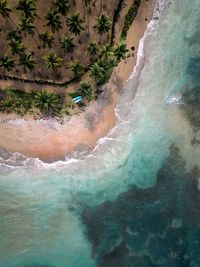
(39, 265)
(193, 68)
(156, 224)
(191, 106)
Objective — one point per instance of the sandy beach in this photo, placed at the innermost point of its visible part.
(48, 139)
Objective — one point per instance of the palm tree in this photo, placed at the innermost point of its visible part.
(47, 39)
(120, 51)
(107, 51)
(67, 44)
(53, 20)
(103, 25)
(5, 11)
(27, 62)
(52, 61)
(78, 69)
(85, 90)
(75, 24)
(27, 26)
(92, 48)
(13, 35)
(62, 6)
(98, 72)
(26, 7)
(7, 63)
(46, 102)
(101, 70)
(16, 46)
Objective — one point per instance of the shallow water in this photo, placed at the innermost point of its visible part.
(134, 201)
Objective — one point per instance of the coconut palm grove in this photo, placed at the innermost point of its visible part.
(55, 50)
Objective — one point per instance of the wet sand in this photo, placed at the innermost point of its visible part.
(48, 139)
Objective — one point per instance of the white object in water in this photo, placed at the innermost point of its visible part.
(174, 99)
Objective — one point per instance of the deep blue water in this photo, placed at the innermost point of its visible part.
(135, 200)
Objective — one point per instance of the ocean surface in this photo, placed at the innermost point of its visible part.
(134, 201)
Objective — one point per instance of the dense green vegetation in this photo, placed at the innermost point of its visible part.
(45, 48)
(130, 17)
(86, 90)
(22, 102)
(43, 103)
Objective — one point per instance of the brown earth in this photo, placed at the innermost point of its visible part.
(64, 73)
(49, 140)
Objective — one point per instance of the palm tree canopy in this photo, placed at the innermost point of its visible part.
(53, 61)
(7, 62)
(16, 46)
(85, 90)
(27, 7)
(75, 23)
(98, 72)
(121, 51)
(47, 39)
(107, 51)
(46, 101)
(62, 6)
(103, 24)
(92, 48)
(13, 35)
(101, 70)
(77, 68)
(67, 44)
(27, 62)
(53, 20)
(4, 9)
(27, 25)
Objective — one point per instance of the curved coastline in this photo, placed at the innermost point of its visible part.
(50, 141)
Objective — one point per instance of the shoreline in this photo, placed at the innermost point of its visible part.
(48, 139)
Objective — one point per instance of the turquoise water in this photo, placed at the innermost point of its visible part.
(135, 200)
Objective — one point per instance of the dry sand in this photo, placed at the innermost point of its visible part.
(48, 139)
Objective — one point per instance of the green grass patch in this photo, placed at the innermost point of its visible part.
(129, 18)
(22, 102)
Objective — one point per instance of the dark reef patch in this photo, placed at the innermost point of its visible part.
(193, 68)
(195, 142)
(154, 227)
(191, 106)
(39, 265)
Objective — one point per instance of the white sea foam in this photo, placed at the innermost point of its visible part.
(109, 142)
(38, 203)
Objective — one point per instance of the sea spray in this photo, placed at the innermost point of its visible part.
(136, 184)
